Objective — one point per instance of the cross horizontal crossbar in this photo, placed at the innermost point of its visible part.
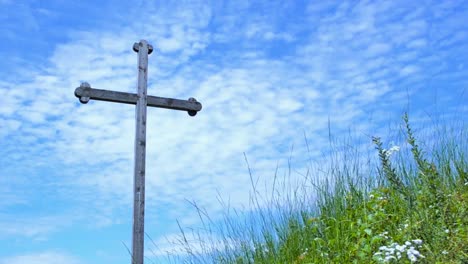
(85, 93)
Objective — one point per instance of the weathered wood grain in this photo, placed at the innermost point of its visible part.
(140, 157)
(85, 93)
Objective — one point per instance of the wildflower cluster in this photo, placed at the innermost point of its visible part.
(384, 235)
(395, 251)
(390, 151)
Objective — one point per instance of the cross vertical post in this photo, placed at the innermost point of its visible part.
(138, 234)
(85, 93)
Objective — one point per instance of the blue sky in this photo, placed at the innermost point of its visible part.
(266, 72)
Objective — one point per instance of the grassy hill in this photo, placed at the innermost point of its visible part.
(411, 208)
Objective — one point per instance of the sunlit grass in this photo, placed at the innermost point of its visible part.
(412, 207)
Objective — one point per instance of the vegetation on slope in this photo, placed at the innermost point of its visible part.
(414, 209)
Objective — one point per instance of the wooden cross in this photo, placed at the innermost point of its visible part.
(141, 100)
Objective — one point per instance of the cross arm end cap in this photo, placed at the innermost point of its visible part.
(136, 47)
(194, 112)
(82, 92)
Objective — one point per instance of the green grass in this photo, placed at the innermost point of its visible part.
(409, 206)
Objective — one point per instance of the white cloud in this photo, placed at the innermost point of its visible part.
(35, 228)
(8, 125)
(377, 49)
(340, 71)
(179, 245)
(408, 70)
(417, 43)
(47, 257)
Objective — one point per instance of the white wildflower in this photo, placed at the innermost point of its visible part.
(384, 235)
(445, 252)
(401, 248)
(413, 254)
(390, 151)
(394, 251)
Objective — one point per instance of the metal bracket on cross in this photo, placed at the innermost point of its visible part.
(86, 93)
